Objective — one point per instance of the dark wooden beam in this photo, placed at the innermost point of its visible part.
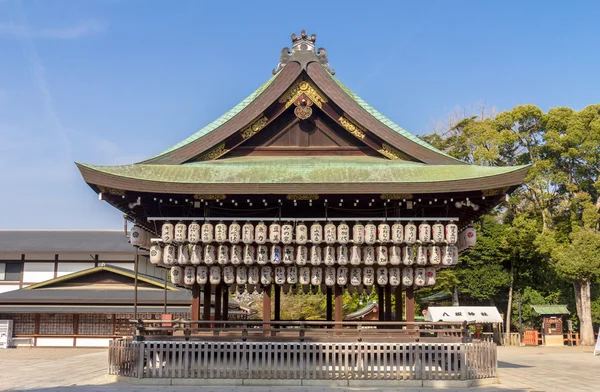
(329, 303)
(226, 303)
(410, 304)
(381, 303)
(195, 311)
(218, 297)
(267, 306)
(277, 303)
(398, 303)
(207, 295)
(339, 304)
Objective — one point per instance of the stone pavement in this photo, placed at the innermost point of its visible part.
(529, 369)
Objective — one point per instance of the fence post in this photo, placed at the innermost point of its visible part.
(140, 359)
(463, 361)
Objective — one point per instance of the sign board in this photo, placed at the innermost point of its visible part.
(478, 314)
(597, 348)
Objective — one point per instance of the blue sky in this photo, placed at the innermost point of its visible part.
(114, 82)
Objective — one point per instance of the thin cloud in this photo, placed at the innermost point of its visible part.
(81, 30)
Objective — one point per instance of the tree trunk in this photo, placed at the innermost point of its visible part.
(455, 297)
(583, 304)
(509, 306)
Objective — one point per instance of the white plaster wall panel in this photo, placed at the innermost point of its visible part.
(8, 287)
(37, 272)
(116, 257)
(69, 268)
(54, 342)
(129, 266)
(76, 257)
(92, 342)
(40, 256)
(10, 256)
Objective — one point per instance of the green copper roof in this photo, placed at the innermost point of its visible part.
(223, 119)
(301, 170)
(550, 309)
(386, 121)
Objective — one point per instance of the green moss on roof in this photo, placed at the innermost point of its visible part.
(223, 119)
(550, 309)
(386, 121)
(301, 170)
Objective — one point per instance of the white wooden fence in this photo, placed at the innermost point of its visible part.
(303, 360)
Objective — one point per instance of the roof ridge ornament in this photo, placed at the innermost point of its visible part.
(303, 46)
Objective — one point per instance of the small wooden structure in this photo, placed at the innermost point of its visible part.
(552, 323)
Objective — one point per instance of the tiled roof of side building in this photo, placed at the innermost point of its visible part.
(59, 241)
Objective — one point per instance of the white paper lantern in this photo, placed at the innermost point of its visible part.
(301, 233)
(215, 274)
(237, 255)
(397, 233)
(249, 254)
(262, 254)
(343, 233)
(383, 232)
(228, 275)
(316, 233)
(330, 233)
(301, 255)
(437, 233)
(275, 254)
(146, 239)
(202, 274)
(221, 232)
(156, 255)
(342, 276)
(410, 233)
(470, 237)
(454, 254)
(241, 275)
(369, 255)
(194, 233)
(355, 255)
(183, 255)
(435, 255)
(407, 277)
(210, 256)
(288, 254)
(446, 255)
(329, 255)
(304, 275)
(369, 276)
(382, 255)
(265, 275)
(177, 275)
(342, 255)
(355, 276)
(358, 233)
(422, 255)
(189, 276)
(420, 277)
(394, 276)
(287, 231)
(275, 233)
(253, 275)
(382, 276)
(409, 255)
(451, 233)
(316, 276)
(260, 233)
(315, 255)
(424, 232)
(223, 254)
(167, 233)
(370, 233)
(279, 275)
(136, 236)
(292, 275)
(329, 276)
(234, 233)
(395, 255)
(169, 255)
(207, 232)
(180, 232)
(430, 277)
(248, 233)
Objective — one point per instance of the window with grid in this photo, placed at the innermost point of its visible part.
(95, 324)
(56, 324)
(23, 323)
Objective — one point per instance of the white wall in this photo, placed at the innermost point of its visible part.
(8, 287)
(92, 342)
(54, 342)
(69, 268)
(37, 272)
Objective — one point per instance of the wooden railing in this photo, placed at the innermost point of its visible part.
(300, 331)
(302, 360)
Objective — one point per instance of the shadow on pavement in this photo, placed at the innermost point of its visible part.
(508, 365)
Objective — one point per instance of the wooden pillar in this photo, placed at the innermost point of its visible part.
(207, 295)
(218, 296)
(267, 306)
(36, 327)
(381, 303)
(409, 303)
(135, 283)
(195, 311)
(226, 303)
(75, 328)
(339, 294)
(399, 303)
(388, 303)
(329, 303)
(277, 303)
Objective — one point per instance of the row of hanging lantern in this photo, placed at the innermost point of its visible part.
(302, 255)
(466, 239)
(140, 237)
(286, 234)
(315, 276)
